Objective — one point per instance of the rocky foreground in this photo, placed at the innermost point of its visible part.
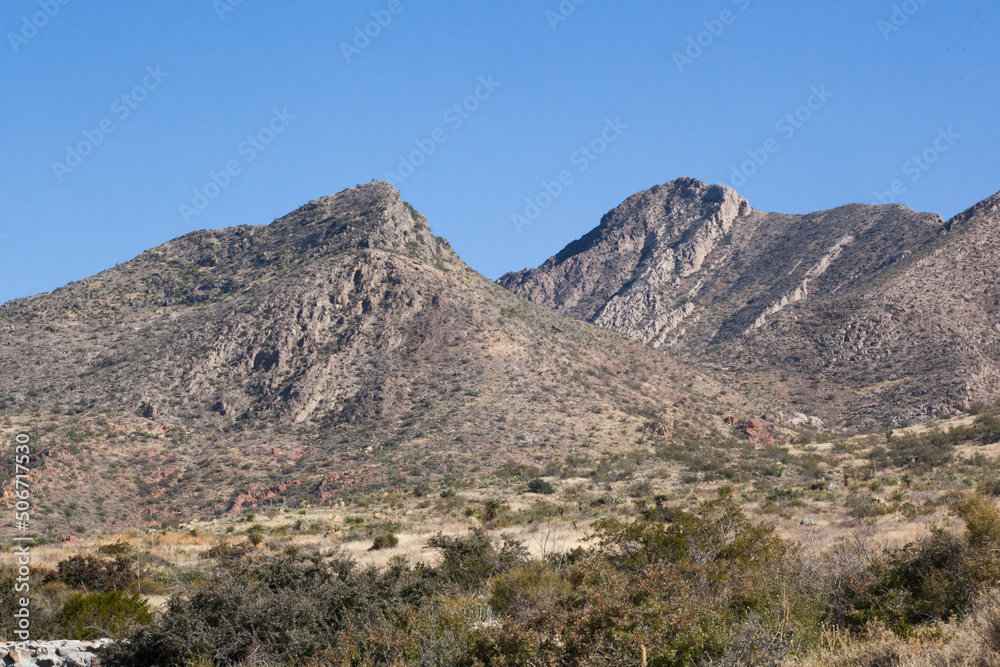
(56, 653)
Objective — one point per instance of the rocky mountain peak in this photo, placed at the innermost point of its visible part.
(647, 246)
(676, 206)
(369, 216)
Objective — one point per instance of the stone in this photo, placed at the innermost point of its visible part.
(17, 656)
(757, 430)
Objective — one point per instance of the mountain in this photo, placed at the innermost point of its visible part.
(338, 350)
(862, 315)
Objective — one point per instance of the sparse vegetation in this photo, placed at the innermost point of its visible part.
(485, 483)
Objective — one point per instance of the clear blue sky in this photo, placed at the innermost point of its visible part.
(886, 95)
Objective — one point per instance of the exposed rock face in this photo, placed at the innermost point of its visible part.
(757, 430)
(623, 274)
(859, 314)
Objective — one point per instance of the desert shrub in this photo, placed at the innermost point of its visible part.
(471, 560)
(688, 585)
(98, 574)
(864, 506)
(904, 587)
(226, 552)
(525, 590)
(47, 598)
(117, 548)
(507, 645)
(920, 451)
(990, 485)
(640, 488)
(517, 471)
(982, 537)
(384, 541)
(255, 533)
(106, 614)
(539, 485)
(278, 610)
(931, 579)
(718, 532)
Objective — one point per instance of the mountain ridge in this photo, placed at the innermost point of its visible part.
(339, 349)
(758, 272)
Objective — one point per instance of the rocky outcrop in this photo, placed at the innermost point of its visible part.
(801, 290)
(629, 273)
(756, 429)
(254, 497)
(55, 653)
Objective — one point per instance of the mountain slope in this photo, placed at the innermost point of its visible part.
(847, 313)
(340, 348)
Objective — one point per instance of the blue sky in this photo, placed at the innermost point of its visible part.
(224, 112)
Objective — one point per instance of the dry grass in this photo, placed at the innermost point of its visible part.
(973, 642)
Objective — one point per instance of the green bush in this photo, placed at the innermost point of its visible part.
(925, 581)
(117, 548)
(255, 533)
(384, 541)
(107, 614)
(471, 560)
(539, 485)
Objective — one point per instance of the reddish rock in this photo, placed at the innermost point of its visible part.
(756, 429)
(257, 495)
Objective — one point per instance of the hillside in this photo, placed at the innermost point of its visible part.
(861, 315)
(338, 350)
